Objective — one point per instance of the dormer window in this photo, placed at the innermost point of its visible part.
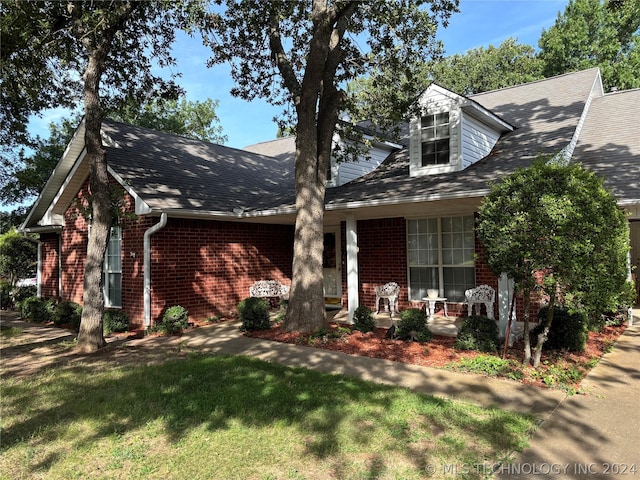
(451, 133)
(435, 139)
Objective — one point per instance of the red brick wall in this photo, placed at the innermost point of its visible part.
(382, 258)
(208, 266)
(50, 271)
(74, 238)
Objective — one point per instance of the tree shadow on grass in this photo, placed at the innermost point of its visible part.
(220, 392)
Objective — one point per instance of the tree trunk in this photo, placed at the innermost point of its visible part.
(91, 336)
(526, 292)
(542, 337)
(306, 310)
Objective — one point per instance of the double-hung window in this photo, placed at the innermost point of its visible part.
(441, 256)
(112, 281)
(435, 139)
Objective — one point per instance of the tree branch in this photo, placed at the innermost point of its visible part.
(282, 61)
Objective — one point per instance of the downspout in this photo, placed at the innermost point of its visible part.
(147, 267)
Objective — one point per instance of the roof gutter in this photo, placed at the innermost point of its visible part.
(147, 267)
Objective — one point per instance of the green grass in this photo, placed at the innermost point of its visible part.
(217, 417)
(10, 331)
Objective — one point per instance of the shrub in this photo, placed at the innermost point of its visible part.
(568, 330)
(35, 309)
(67, 312)
(115, 321)
(490, 365)
(413, 325)
(254, 314)
(6, 302)
(18, 294)
(174, 320)
(478, 333)
(363, 319)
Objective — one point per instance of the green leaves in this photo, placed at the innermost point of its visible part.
(560, 221)
(595, 33)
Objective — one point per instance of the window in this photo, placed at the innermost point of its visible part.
(441, 256)
(435, 139)
(112, 281)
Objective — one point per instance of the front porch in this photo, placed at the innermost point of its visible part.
(439, 325)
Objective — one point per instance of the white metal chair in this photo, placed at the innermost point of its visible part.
(479, 295)
(390, 292)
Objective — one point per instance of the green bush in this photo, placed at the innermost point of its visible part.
(174, 320)
(67, 312)
(254, 314)
(36, 309)
(568, 330)
(115, 321)
(363, 319)
(6, 303)
(413, 325)
(478, 333)
(18, 294)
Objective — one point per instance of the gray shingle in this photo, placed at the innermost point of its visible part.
(173, 172)
(609, 143)
(545, 114)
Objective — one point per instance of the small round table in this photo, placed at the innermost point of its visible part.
(431, 301)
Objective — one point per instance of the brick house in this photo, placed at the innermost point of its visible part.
(205, 221)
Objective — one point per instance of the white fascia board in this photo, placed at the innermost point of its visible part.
(468, 105)
(200, 214)
(49, 217)
(141, 207)
(486, 116)
(74, 149)
(406, 200)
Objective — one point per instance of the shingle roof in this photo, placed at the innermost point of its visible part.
(545, 114)
(609, 143)
(172, 172)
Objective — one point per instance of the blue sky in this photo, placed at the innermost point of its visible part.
(479, 23)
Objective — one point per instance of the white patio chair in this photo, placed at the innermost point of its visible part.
(390, 292)
(479, 295)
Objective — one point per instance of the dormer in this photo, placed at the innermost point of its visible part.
(451, 132)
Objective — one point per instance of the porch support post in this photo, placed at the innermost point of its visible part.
(352, 265)
(505, 294)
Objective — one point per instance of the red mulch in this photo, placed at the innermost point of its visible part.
(440, 351)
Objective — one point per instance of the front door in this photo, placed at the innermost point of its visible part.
(331, 265)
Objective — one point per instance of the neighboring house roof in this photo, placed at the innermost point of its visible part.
(186, 177)
(281, 148)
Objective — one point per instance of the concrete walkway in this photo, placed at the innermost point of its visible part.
(596, 435)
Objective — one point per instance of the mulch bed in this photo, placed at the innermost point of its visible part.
(440, 351)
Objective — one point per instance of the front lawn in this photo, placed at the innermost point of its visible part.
(216, 417)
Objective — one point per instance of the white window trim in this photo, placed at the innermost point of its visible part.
(440, 266)
(109, 271)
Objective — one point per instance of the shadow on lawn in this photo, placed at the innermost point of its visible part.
(218, 392)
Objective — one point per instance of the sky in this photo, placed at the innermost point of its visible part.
(479, 23)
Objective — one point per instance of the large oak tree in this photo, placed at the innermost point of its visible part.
(301, 54)
(99, 54)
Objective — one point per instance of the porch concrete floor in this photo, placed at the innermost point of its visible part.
(443, 326)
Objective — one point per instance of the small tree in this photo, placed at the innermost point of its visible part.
(556, 223)
(18, 256)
